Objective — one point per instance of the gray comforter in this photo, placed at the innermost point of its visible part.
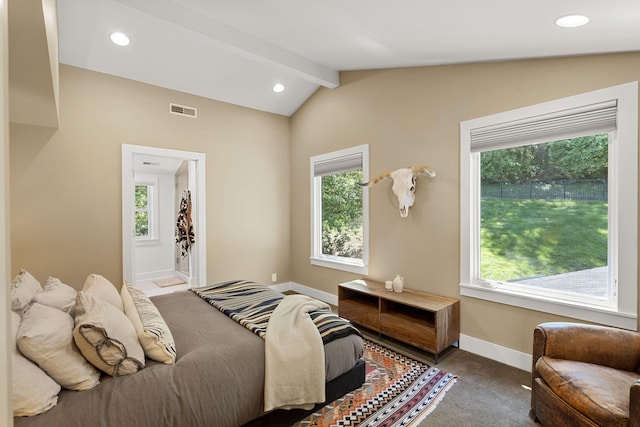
(217, 380)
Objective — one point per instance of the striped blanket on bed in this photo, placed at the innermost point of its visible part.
(251, 305)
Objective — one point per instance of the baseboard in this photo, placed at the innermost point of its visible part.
(281, 287)
(305, 290)
(473, 345)
(184, 277)
(496, 352)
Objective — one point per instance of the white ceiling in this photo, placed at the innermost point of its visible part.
(156, 165)
(236, 50)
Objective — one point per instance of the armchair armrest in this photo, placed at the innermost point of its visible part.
(634, 405)
(601, 345)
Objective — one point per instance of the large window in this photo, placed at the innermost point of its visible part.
(549, 207)
(339, 210)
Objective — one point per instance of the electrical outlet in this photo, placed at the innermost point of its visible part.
(274, 277)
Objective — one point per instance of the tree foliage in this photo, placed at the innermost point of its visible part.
(142, 214)
(342, 214)
(577, 158)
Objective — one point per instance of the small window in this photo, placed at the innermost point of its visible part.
(143, 213)
(548, 207)
(339, 214)
(146, 209)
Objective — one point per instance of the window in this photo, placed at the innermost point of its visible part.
(549, 207)
(146, 209)
(143, 212)
(340, 210)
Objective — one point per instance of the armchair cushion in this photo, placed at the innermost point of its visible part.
(599, 392)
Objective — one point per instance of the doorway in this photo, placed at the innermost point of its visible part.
(150, 251)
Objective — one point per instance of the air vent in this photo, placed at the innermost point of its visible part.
(181, 110)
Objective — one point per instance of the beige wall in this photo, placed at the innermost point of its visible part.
(411, 116)
(66, 183)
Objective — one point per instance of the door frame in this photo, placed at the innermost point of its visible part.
(199, 248)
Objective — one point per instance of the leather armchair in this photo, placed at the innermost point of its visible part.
(585, 375)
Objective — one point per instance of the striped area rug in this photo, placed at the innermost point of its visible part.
(398, 391)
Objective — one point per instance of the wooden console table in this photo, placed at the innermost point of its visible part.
(429, 322)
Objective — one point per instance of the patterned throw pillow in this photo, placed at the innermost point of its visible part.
(152, 330)
(106, 337)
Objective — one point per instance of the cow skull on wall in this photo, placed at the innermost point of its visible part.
(404, 185)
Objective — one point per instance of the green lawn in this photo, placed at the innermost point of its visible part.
(527, 238)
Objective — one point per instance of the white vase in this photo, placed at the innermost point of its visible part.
(398, 283)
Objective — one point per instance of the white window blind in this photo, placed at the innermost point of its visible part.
(337, 164)
(572, 123)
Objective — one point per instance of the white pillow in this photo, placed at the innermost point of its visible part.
(46, 338)
(15, 325)
(23, 288)
(34, 391)
(99, 286)
(58, 295)
(106, 337)
(152, 330)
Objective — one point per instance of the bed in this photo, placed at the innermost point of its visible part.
(218, 378)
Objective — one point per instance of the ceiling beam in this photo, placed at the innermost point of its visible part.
(237, 41)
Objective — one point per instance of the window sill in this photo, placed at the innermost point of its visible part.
(340, 265)
(586, 313)
(147, 242)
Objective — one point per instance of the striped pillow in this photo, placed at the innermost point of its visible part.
(152, 330)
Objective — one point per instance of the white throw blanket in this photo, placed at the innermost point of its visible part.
(294, 356)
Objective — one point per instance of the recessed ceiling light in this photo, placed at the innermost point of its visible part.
(278, 87)
(571, 21)
(120, 39)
